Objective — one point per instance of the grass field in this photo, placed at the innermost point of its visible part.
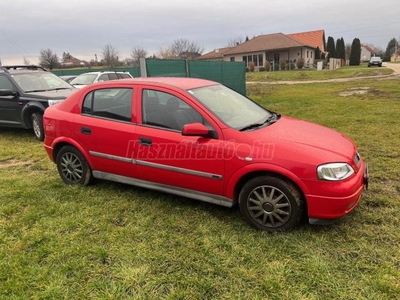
(309, 74)
(111, 241)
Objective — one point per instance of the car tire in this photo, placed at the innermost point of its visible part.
(271, 203)
(37, 125)
(73, 167)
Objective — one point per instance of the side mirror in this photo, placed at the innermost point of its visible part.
(195, 129)
(7, 92)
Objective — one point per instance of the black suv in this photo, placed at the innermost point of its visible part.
(25, 92)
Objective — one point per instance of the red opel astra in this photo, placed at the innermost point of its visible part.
(199, 139)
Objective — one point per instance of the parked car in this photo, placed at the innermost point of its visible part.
(67, 78)
(93, 77)
(25, 93)
(375, 61)
(199, 139)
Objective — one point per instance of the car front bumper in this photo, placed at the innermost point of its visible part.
(326, 209)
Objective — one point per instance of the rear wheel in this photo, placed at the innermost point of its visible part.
(37, 125)
(73, 167)
(271, 203)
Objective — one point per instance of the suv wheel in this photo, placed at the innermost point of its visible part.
(37, 125)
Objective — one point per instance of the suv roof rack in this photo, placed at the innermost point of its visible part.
(24, 67)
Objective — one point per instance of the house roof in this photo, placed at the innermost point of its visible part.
(72, 60)
(368, 48)
(215, 54)
(314, 38)
(266, 42)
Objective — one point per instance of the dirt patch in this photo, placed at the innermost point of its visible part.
(8, 163)
(355, 91)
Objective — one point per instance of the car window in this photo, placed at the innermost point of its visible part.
(125, 75)
(167, 111)
(103, 77)
(5, 83)
(84, 79)
(115, 104)
(113, 76)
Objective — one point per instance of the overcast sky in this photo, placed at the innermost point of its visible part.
(84, 27)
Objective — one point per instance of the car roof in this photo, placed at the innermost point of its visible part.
(183, 83)
(23, 69)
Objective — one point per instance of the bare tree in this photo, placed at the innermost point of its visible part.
(347, 51)
(110, 56)
(136, 54)
(181, 48)
(48, 59)
(26, 61)
(235, 41)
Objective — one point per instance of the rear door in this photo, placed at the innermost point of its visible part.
(105, 129)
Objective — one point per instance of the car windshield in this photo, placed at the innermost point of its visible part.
(84, 79)
(40, 81)
(230, 107)
(375, 59)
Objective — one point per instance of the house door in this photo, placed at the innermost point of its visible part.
(276, 58)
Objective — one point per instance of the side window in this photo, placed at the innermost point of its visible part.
(103, 77)
(167, 111)
(115, 104)
(113, 76)
(5, 83)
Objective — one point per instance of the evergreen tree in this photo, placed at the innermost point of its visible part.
(390, 49)
(317, 53)
(355, 53)
(340, 49)
(331, 47)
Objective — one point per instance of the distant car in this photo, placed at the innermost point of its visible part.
(68, 78)
(25, 93)
(199, 139)
(94, 77)
(375, 61)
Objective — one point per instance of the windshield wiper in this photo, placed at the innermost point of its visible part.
(272, 119)
(57, 89)
(34, 91)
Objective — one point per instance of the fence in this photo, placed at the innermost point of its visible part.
(231, 74)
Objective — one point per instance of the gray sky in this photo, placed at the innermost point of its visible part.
(84, 27)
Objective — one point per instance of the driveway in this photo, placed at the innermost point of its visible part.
(394, 66)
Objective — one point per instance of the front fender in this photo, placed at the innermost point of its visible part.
(27, 111)
(261, 167)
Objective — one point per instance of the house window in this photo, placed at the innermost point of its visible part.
(232, 58)
(245, 60)
(307, 53)
(260, 60)
(311, 54)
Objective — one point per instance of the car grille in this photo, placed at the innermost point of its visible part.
(357, 159)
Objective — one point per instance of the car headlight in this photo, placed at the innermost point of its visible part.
(54, 102)
(334, 171)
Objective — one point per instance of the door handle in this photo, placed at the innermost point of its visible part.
(86, 130)
(145, 141)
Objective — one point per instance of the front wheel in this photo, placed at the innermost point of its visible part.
(73, 167)
(37, 125)
(271, 203)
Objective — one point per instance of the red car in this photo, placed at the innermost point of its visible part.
(199, 139)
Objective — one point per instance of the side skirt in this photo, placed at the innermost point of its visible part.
(210, 198)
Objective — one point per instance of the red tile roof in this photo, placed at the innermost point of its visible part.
(266, 42)
(314, 38)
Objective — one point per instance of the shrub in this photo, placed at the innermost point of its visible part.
(261, 69)
(282, 64)
(267, 66)
(251, 66)
(247, 70)
(300, 63)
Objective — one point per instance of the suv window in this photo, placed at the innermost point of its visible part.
(113, 104)
(5, 83)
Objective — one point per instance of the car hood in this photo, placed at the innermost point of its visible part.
(52, 95)
(297, 138)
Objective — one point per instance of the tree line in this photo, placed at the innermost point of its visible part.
(180, 48)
